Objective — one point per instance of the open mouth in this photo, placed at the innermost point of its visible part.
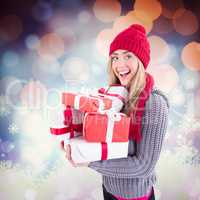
(124, 73)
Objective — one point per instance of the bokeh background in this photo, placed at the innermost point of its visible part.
(50, 46)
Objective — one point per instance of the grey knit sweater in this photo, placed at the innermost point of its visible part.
(135, 175)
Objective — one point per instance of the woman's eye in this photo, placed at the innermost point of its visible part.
(114, 58)
(128, 56)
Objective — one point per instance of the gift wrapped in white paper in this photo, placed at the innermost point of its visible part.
(83, 151)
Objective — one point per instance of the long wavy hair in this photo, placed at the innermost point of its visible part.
(135, 86)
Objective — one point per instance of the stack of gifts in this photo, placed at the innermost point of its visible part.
(103, 131)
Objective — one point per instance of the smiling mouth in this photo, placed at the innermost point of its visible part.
(124, 73)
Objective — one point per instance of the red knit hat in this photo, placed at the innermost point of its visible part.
(133, 39)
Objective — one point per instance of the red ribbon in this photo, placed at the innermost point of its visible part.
(104, 152)
(103, 91)
(68, 116)
(58, 131)
(70, 129)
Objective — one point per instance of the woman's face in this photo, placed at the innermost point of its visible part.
(124, 65)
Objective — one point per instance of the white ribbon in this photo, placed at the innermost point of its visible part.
(112, 118)
(77, 101)
(101, 104)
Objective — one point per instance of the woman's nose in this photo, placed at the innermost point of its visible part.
(121, 63)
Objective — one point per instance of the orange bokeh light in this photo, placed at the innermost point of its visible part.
(107, 10)
(169, 7)
(152, 8)
(163, 25)
(132, 18)
(185, 22)
(103, 41)
(165, 76)
(159, 49)
(10, 28)
(51, 46)
(190, 56)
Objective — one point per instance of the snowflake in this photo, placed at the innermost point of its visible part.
(5, 164)
(4, 107)
(13, 129)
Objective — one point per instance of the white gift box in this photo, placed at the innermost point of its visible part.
(59, 130)
(82, 151)
(117, 93)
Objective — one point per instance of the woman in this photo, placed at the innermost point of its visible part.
(133, 177)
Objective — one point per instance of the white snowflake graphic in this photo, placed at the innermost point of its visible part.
(13, 129)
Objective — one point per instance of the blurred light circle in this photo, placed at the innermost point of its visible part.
(173, 52)
(185, 22)
(43, 67)
(132, 18)
(42, 11)
(10, 28)
(104, 38)
(163, 25)
(67, 35)
(7, 146)
(75, 69)
(170, 6)
(26, 122)
(165, 75)
(51, 46)
(59, 21)
(190, 56)
(159, 49)
(32, 41)
(107, 11)
(84, 17)
(33, 95)
(190, 79)
(11, 86)
(152, 8)
(10, 59)
(142, 18)
(3, 155)
(53, 98)
(177, 97)
(97, 69)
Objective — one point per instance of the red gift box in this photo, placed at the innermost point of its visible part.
(72, 116)
(106, 127)
(86, 103)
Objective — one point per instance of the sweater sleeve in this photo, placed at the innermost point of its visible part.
(154, 125)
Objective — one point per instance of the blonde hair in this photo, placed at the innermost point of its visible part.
(135, 86)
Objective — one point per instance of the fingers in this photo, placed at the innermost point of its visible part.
(68, 152)
(62, 146)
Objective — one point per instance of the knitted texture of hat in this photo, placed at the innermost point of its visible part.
(133, 39)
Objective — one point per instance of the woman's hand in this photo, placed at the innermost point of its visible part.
(67, 150)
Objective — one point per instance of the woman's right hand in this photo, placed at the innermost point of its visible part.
(67, 150)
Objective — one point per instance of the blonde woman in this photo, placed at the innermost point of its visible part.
(133, 177)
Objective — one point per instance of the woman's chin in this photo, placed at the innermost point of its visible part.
(124, 83)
